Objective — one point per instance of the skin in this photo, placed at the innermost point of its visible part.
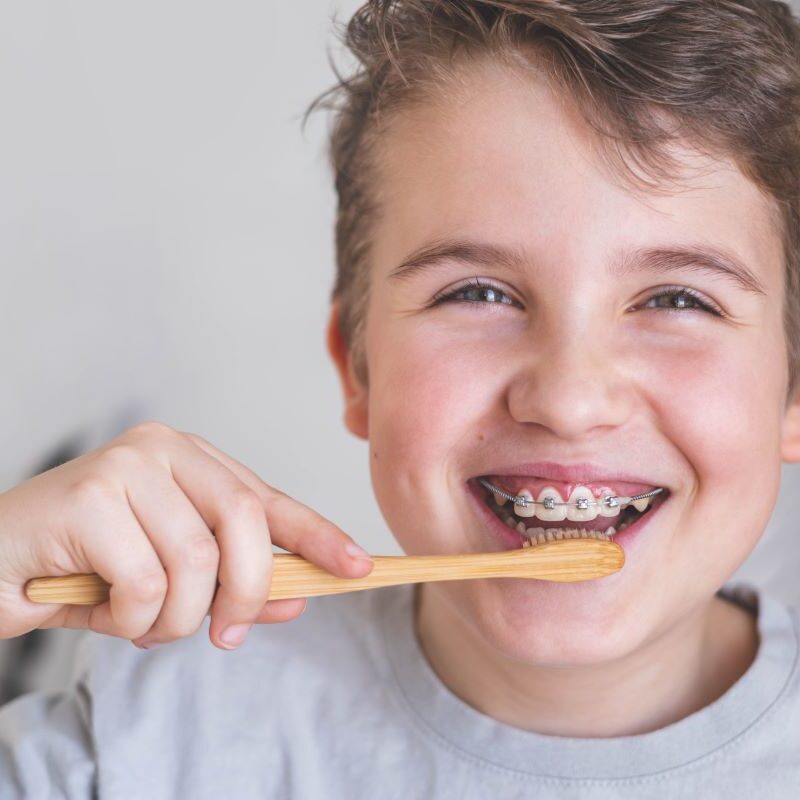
(579, 368)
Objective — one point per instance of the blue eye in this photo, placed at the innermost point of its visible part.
(680, 298)
(476, 291)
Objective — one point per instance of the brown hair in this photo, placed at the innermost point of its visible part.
(721, 74)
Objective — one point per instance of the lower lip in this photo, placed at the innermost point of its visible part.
(512, 539)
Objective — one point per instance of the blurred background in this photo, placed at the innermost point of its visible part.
(166, 240)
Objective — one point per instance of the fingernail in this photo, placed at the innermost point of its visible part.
(150, 645)
(234, 635)
(352, 549)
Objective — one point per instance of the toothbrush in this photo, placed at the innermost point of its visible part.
(580, 556)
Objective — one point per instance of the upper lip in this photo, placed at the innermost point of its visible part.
(570, 473)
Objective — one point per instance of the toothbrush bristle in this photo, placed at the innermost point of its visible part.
(561, 534)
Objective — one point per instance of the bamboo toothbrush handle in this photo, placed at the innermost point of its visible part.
(293, 576)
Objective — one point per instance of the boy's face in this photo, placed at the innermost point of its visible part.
(569, 361)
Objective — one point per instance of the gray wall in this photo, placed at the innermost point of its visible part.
(166, 241)
(166, 237)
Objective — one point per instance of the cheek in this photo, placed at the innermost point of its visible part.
(426, 400)
(425, 390)
(721, 409)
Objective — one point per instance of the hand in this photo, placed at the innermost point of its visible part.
(163, 516)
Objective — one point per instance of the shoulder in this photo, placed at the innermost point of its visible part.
(771, 685)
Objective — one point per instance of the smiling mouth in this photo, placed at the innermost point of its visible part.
(538, 525)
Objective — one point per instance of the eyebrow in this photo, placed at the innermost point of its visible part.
(702, 258)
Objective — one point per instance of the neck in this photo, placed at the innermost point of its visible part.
(684, 670)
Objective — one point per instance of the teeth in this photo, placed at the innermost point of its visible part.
(639, 505)
(555, 514)
(581, 515)
(560, 512)
(526, 511)
(605, 511)
(541, 535)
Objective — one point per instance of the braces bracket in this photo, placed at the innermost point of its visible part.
(582, 503)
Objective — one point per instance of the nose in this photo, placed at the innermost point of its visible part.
(571, 387)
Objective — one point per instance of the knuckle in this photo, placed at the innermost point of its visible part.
(326, 534)
(243, 501)
(122, 457)
(330, 530)
(249, 596)
(92, 491)
(195, 437)
(151, 429)
(130, 632)
(201, 553)
(278, 503)
(148, 588)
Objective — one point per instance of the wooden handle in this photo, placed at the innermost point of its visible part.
(293, 576)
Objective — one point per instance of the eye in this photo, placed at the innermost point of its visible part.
(476, 291)
(681, 298)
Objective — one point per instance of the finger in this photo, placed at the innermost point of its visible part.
(237, 518)
(299, 529)
(282, 610)
(68, 617)
(296, 527)
(187, 549)
(272, 612)
(109, 538)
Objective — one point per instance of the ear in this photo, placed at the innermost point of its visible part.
(790, 441)
(356, 395)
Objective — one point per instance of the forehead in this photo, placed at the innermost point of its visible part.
(504, 157)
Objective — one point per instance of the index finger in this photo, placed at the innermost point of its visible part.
(296, 527)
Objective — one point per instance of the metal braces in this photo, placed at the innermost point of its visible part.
(582, 503)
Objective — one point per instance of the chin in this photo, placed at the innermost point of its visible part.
(555, 633)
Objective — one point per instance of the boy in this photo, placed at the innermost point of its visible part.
(569, 249)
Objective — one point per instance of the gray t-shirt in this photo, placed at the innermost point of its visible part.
(341, 704)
